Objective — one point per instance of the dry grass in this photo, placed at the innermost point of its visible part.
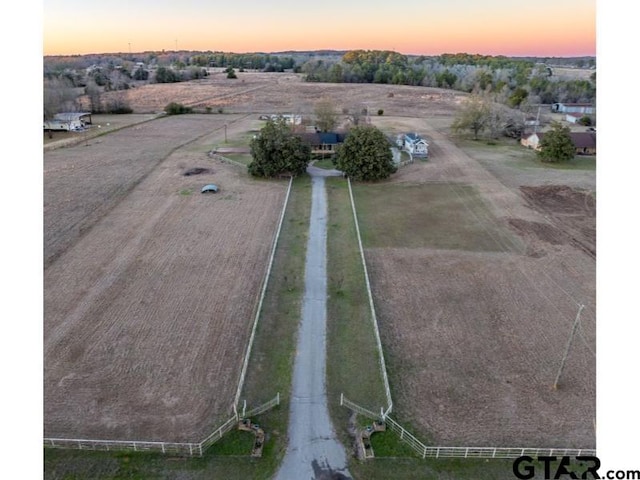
(148, 311)
(473, 319)
(475, 313)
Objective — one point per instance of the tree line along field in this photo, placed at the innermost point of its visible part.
(150, 287)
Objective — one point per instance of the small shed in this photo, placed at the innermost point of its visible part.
(209, 188)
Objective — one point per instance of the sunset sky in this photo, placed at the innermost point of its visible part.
(430, 27)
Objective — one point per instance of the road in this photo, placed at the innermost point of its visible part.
(313, 451)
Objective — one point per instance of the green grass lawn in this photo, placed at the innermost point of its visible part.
(513, 154)
(444, 216)
(325, 163)
(353, 366)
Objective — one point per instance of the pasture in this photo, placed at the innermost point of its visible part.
(475, 312)
(150, 287)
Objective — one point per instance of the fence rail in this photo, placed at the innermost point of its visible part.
(462, 452)
(374, 319)
(263, 408)
(265, 283)
(191, 449)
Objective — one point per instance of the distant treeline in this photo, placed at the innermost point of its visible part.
(515, 79)
(511, 80)
(56, 64)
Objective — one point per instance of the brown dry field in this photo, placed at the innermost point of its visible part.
(474, 337)
(150, 286)
(254, 92)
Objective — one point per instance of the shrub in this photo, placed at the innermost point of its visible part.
(177, 109)
(381, 112)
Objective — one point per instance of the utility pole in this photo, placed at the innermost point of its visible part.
(566, 353)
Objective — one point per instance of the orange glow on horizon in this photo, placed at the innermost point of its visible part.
(474, 30)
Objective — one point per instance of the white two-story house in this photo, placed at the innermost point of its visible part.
(414, 144)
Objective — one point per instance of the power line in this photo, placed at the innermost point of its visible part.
(566, 352)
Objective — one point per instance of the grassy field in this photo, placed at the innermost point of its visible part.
(465, 320)
(353, 366)
(443, 216)
(515, 155)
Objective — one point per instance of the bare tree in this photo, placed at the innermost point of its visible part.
(59, 96)
(473, 116)
(94, 92)
(326, 115)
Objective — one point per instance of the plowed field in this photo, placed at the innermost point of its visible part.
(148, 309)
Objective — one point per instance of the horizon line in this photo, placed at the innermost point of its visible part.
(264, 52)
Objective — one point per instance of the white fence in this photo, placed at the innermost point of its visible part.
(191, 449)
(265, 283)
(462, 452)
(383, 368)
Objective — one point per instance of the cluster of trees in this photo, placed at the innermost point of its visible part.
(365, 154)
(99, 73)
(516, 79)
(171, 75)
(482, 114)
(254, 61)
(365, 66)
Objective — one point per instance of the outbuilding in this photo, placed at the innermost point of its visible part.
(68, 121)
(584, 142)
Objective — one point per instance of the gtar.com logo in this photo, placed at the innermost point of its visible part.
(580, 467)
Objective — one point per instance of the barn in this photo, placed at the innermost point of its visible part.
(68, 121)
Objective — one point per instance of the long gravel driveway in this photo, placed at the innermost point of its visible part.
(313, 451)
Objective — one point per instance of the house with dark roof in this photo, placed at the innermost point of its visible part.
(585, 142)
(323, 142)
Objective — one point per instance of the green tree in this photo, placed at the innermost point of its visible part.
(277, 150)
(166, 75)
(446, 79)
(365, 154)
(473, 116)
(231, 73)
(141, 74)
(556, 144)
(517, 97)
